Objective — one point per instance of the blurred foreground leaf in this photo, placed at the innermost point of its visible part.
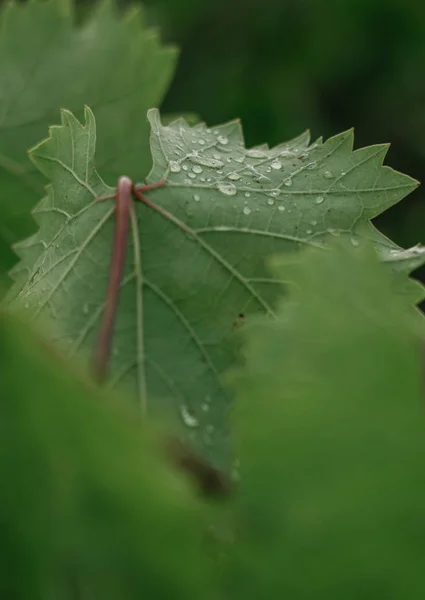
(87, 507)
(330, 424)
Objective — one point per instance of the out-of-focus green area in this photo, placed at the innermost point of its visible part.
(287, 65)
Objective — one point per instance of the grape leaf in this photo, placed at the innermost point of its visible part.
(114, 64)
(88, 506)
(329, 423)
(196, 268)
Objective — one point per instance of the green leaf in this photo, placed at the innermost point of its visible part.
(116, 65)
(88, 506)
(330, 424)
(196, 268)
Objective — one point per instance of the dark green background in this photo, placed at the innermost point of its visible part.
(283, 66)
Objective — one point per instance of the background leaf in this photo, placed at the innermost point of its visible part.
(196, 271)
(114, 64)
(88, 505)
(329, 424)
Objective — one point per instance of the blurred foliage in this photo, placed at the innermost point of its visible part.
(329, 426)
(88, 507)
(329, 437)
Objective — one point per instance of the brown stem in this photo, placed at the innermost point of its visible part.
(102, 350)
(125, 190)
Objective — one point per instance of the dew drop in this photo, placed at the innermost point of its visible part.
(312, 166)
(174, 166)
(234, 176)
(185, 167)
(196, 197)
(246, 210)
(188, 418)
(276, 164)
(270, 201)
(222, 139)
(319, 200)
(288, 182)
(355, 242)
(313, 222)
(205, 407)
(253, 153)
(281, 208)
(213, 163)
(201, 142)
(247, 194)
(197, 169)
(228, 189)
(308, 231)
(328, 175)
(217, 156)
(191, 175)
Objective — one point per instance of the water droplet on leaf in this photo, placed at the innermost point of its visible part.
(253, 153)
(228, 189)
(213, 163)
(188, 418)
(276, 164)
(319, 199)
(174, 166)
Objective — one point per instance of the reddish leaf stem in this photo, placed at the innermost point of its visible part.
(122, 218)
(124, 193)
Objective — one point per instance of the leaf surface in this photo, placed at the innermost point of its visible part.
(196, 269)
(329, 424)
(115, 65)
